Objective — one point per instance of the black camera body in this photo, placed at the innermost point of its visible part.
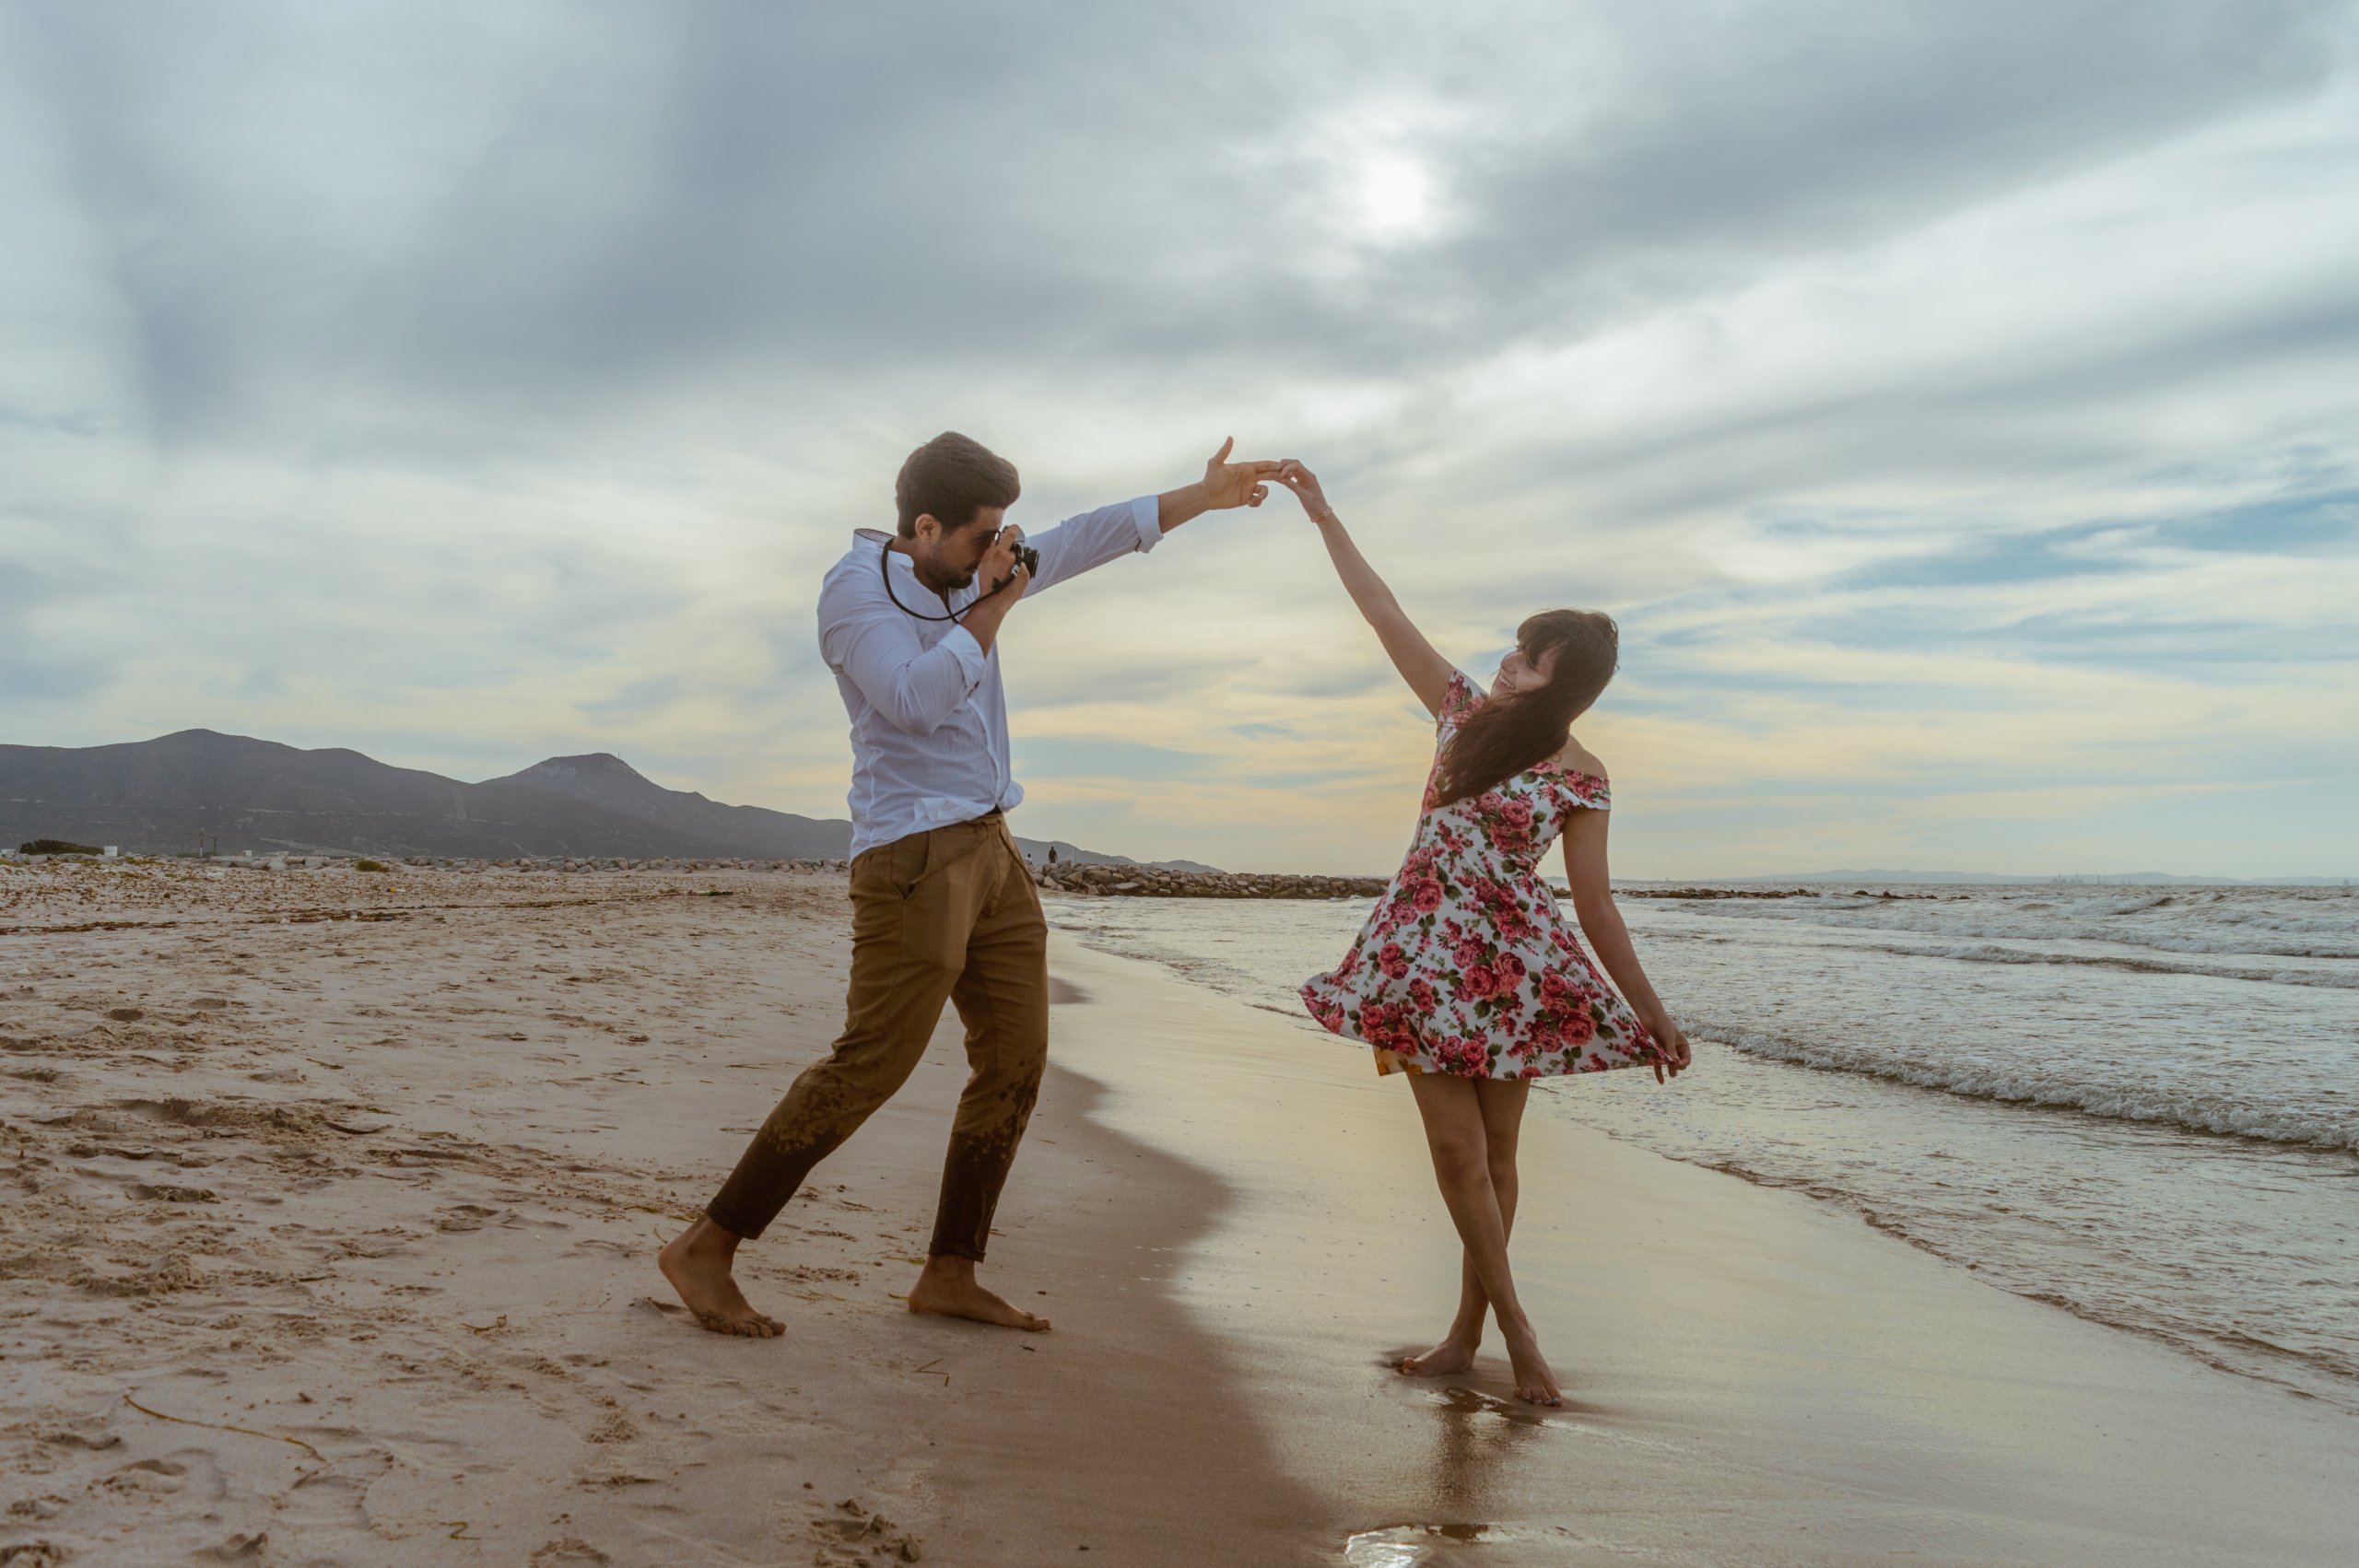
(1029, 559)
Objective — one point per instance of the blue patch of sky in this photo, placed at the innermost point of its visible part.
(2106, 638)
(2288, 526)
(1673, 685)
(2109, 636)
(2038, 558)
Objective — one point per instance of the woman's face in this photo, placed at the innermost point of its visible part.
(1518, 671)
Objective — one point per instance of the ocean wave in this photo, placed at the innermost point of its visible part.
(2144, 1099)
(2221, 1347)
(1985, 952)
(2234, 923)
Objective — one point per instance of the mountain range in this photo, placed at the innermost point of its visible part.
(185, 792)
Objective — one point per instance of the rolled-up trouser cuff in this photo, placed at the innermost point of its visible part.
(757, 1189)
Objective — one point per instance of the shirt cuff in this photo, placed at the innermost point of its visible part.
(970, 654)
(1146, 512)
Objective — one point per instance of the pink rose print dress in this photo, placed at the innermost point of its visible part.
(1466, 966)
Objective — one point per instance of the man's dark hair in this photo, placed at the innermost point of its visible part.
(953, 478)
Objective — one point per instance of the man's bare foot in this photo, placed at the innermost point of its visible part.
(1534, 1383)
(1452, 1356)
(947, 1287)
(697, 1262)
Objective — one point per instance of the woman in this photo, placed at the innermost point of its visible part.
(1466, 978)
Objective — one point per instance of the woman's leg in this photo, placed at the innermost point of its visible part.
(1502, 1101)
(1460, 1142)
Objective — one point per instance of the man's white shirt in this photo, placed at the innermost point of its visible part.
(929, 715)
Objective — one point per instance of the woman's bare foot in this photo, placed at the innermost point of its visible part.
(697, 1262)
(947, 1287)
(1452, 1356)
(1534, 1383)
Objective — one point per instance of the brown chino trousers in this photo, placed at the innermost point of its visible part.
(946, 914)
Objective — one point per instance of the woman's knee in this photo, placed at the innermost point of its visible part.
(1461, 1160)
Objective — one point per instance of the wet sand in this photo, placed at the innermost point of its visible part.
(1750, 1376)
(334, 1199)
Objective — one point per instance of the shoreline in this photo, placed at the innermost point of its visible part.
(367, 1206)
(1718, 1340)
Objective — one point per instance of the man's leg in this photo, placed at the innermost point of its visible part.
(914, 904)
(1004, 997)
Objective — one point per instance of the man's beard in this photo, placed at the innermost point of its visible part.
(945, 585)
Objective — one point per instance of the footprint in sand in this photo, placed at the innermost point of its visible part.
(154, 1193)
(148, 1476)
(853, 1534)
(614, 1427)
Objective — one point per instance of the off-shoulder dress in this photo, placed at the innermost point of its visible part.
(1466, 965)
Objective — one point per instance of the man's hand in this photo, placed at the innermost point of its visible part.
(1224, 484)
(999, 565)
(997, 568)
(1230, 483)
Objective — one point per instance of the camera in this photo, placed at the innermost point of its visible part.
(1029, 559)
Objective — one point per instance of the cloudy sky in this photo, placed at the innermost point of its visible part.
(1958, 405)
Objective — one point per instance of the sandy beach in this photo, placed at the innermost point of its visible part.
(335, 1197)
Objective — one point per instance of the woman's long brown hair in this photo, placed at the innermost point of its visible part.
(1508, 734)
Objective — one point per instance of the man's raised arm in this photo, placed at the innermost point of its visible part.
(1092, 539)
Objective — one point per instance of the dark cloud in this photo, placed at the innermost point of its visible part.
(374, 222)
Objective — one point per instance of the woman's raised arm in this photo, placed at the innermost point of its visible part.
(1425, 670)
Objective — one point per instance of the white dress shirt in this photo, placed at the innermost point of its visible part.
(929, 716)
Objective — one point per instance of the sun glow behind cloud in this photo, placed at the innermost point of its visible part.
(1973, 475)
(1393, 198)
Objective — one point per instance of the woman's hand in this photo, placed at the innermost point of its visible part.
(1304, 485)
(1666, 1032)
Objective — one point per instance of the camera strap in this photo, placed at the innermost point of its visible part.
(885, 567)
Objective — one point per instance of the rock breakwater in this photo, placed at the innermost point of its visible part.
(1156, 881)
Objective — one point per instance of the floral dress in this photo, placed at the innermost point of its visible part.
(1466, 966)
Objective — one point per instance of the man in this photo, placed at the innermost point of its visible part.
(944, 907)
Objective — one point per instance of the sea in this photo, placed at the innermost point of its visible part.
(2138, 1103)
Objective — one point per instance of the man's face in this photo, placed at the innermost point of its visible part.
(946, 558)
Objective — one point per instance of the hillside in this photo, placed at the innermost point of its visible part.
(176, 793)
